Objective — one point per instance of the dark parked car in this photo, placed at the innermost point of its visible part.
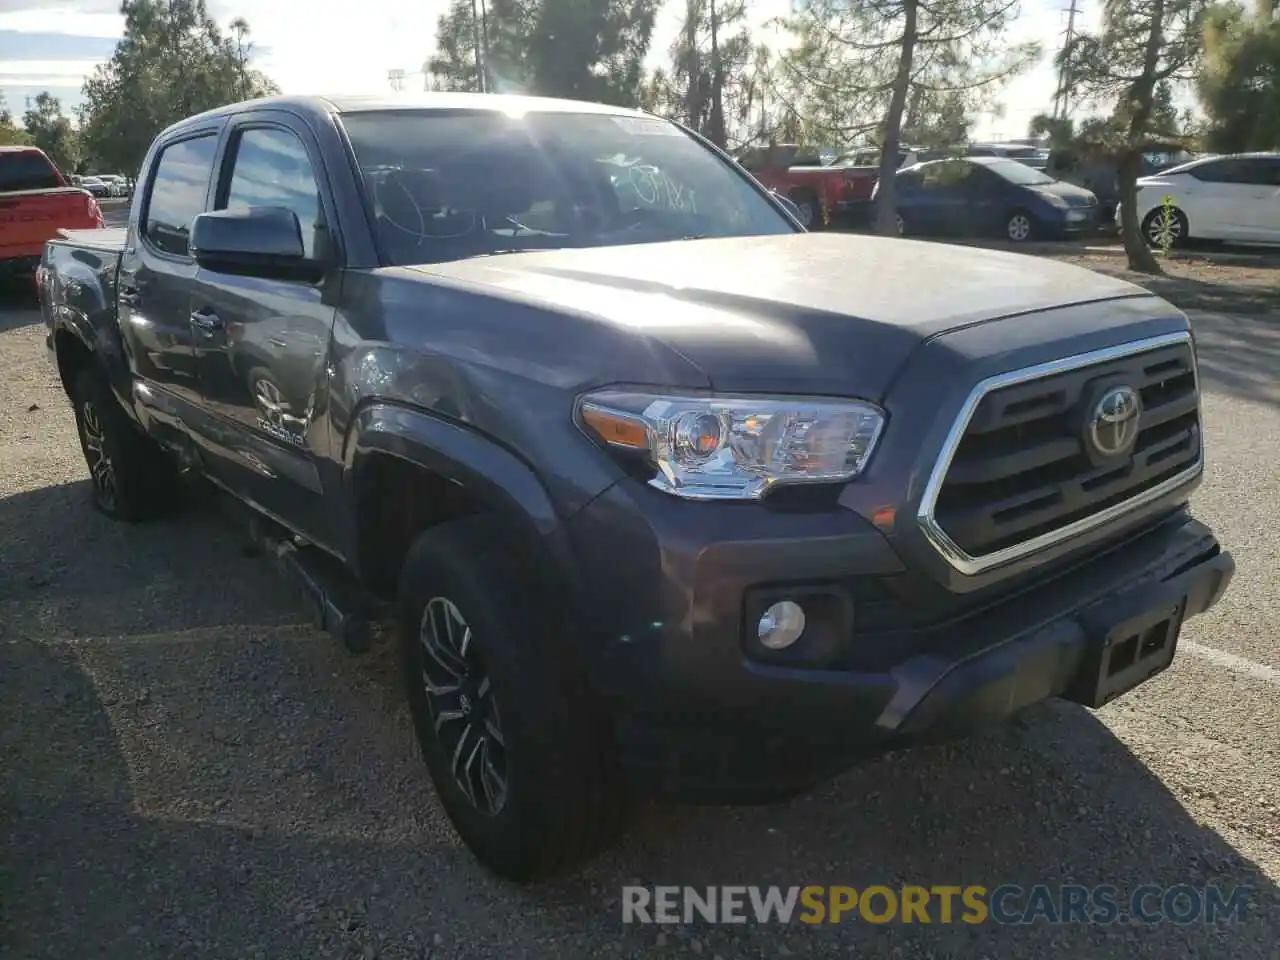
(664, 492)
(990, 196)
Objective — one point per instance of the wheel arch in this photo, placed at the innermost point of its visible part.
(405, 470)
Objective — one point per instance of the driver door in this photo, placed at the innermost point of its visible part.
(263, 342)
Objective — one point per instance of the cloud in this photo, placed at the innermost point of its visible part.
(325, 46)
(59, 6)
(23, 45)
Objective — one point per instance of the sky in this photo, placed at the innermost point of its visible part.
(319, 46)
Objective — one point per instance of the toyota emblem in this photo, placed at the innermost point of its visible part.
(1113, 426)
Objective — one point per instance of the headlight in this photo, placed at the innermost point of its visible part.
(739, 447)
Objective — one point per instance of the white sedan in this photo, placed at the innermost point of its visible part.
(1235, 198)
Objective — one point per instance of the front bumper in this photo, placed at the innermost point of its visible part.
(702, 713)
(1075, 222)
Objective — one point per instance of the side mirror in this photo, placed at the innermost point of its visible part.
(253, 242)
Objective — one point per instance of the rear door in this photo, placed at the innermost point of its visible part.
(263, 343)
(945, 203)
(157, 272)
(986, 201)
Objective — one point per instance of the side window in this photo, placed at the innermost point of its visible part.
(1224, 171)
(1262, 172)
(178, 191)
(948, 175)
(981, 181)
(272, 170)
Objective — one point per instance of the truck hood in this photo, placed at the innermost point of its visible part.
(818, 312)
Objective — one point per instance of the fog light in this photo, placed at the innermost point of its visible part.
(781, 625)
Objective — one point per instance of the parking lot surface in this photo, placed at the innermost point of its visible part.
(190, 770)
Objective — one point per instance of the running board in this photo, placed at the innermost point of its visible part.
(340, 606)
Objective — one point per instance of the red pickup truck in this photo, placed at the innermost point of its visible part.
(35, 203)
(823, 192)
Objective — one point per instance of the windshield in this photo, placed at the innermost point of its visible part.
(1017, 172)
(444, 185)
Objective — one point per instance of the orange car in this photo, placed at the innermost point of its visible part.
(35, 203)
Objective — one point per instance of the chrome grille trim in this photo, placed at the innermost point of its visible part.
(963, 562)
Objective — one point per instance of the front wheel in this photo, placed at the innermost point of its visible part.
(516, 751)
(1019, 227)
(1157, 229)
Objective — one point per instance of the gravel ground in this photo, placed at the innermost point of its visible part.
(1203, 277)
(192, 771)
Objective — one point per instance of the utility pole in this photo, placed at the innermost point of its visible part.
(1062, 98)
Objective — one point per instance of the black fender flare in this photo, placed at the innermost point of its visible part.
(84, 312)
(498, 478)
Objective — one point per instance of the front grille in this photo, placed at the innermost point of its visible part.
(1022, 471)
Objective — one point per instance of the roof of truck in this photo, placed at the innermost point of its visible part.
(349, 103)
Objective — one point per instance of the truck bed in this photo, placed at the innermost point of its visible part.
(106, 239)
(77, 278)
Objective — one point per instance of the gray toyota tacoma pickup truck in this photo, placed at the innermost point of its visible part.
(665, 493)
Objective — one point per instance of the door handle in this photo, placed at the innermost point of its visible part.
(207, 320)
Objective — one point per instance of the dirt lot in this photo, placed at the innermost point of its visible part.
(1242, 280)
(1218, 280)
(191, 770)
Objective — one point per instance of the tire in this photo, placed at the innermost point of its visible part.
(901, 223)
(810, 211)
(552, 798)
(1020, 227)
(131, 478)
(1179, 229)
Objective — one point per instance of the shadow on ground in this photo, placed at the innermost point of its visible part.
(1221, 297)
(1239, 354)
(19, 306)
(189, 772)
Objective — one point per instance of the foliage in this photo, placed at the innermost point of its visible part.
(870, 68)
(1239, 84)
(52, 132)
(173, 61)
(1144, 47)
(582, 49)
(937, 119)
(709, 85)
(1166, 226)
(10, 133)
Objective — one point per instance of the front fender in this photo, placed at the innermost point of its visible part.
(503, 482)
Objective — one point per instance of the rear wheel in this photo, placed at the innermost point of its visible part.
(516, 750)
(131, 477)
